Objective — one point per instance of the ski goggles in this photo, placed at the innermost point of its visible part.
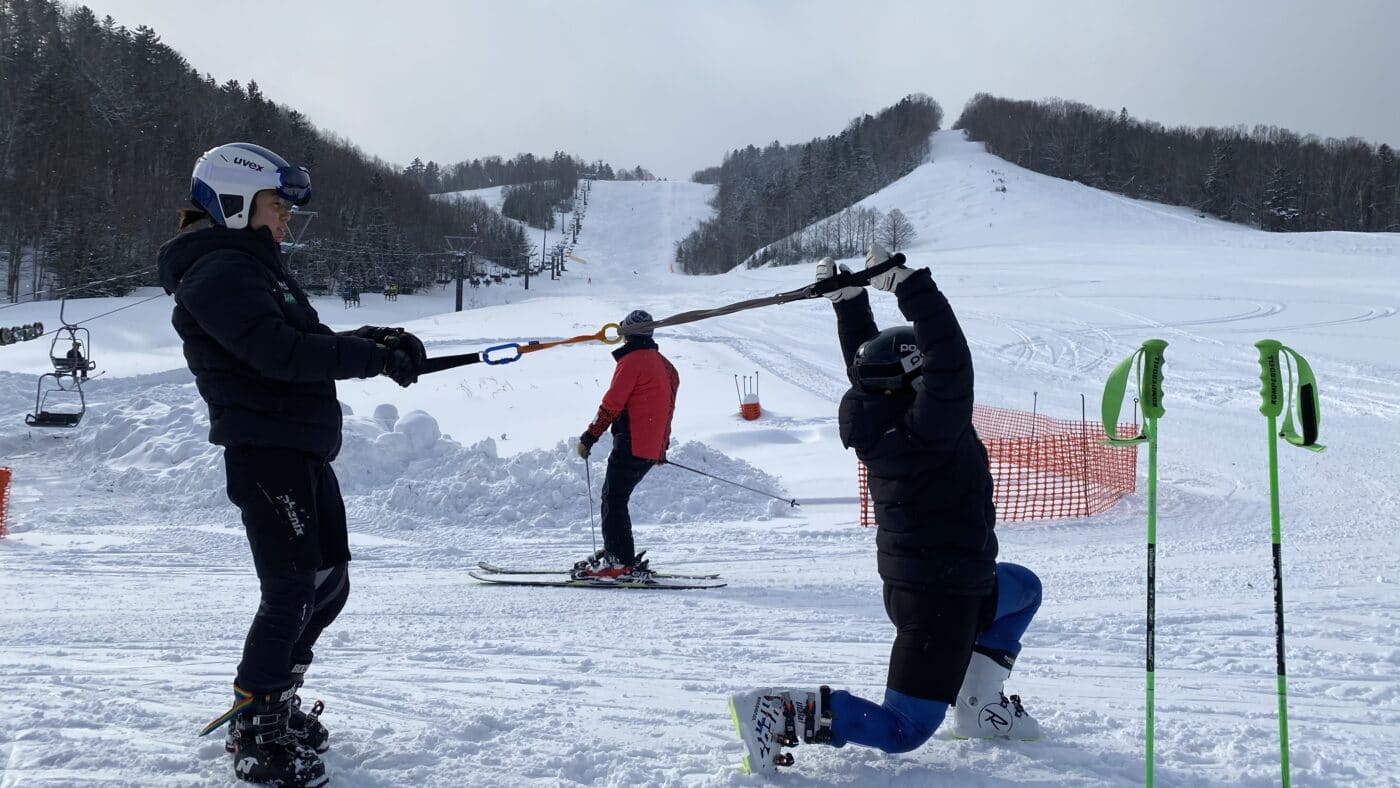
(294, 185)
(882, 377)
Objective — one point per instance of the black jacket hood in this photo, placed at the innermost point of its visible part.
(179, 253)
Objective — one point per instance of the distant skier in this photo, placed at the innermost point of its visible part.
(959, 614)
(638, 405)
(267, 367)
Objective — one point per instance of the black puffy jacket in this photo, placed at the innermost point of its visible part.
(260, 356)
(928, 472)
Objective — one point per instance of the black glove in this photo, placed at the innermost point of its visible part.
(408, 343)
(585, 444)
(402, 367)
(379, 334)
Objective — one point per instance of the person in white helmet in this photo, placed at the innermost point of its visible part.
(266, 366)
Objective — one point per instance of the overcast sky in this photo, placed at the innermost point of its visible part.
(673, 85)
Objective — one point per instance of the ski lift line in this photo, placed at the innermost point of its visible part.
(814, 290)
(104, 314)
(34, 296)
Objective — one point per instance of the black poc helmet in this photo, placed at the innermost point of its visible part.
(889, 361)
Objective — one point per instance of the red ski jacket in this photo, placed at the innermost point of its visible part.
(640, 402)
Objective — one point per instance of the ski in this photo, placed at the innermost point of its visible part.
(553, 579)
(491, 568)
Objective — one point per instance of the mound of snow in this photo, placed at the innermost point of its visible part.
(402, 472)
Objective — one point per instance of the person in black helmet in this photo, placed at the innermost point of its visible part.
(959, 614)
(267, 367)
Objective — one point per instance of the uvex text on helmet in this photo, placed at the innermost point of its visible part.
(226, 178)
(888, 361)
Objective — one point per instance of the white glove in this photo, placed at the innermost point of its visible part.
(826, 268)
(890, 279)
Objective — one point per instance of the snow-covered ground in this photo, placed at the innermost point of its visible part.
(127, 586)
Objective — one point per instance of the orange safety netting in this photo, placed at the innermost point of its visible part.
(1044, 468)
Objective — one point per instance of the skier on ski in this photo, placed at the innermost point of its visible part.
(638, 405)
(267, 367)
(958, 613)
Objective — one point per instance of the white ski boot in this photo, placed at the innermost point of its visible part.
(984, 711)
(768, 720)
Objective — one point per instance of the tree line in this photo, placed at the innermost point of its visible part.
(846, 234)
(491, 171)
(1267, 177)
(100, 126)
(766, 194)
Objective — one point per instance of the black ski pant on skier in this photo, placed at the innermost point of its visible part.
(625, 472)
(295, 522)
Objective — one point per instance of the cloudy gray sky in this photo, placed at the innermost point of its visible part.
(672, 85)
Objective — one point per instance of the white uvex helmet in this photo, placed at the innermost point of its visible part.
(226, 178)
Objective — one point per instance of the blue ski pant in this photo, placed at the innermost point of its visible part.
(935, 640)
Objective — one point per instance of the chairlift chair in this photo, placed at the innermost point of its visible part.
(69, 371)
(59, 404)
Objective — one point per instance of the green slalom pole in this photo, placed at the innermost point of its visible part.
(1145, 365)
(1278, 400)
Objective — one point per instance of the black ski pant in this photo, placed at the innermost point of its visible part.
(934, 635)
(624, 472)
(294, 518)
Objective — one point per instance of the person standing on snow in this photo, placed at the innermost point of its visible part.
(266, 366)
(959, 614)
(638, 405)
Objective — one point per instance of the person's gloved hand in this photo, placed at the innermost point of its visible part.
(379, 334)
(826, 268)
(410, 344)
(890, 279)
(402, 366)
(583, 448)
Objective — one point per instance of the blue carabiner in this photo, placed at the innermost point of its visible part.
(486, 354)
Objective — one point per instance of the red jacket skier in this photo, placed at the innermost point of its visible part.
(638, 406)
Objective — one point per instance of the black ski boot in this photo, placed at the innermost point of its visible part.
(306, 727)
(267, 752)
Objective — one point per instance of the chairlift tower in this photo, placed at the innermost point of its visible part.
(461, 247)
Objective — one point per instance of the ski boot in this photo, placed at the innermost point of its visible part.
(266, 751)
(603, 565)
(306, 727)
(984, 711)
(767, 720)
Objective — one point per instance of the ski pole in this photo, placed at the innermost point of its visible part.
(1278, 399)
(1148, 376)
(592, 522)
(788, 501)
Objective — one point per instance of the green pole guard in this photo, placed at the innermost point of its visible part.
(1145, 365)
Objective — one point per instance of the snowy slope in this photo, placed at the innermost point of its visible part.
(128, 587)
